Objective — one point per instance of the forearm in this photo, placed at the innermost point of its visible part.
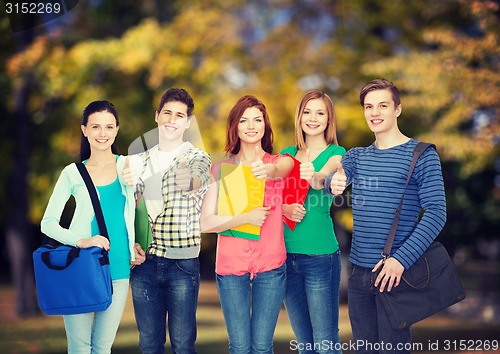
(318, 180)
(200, 170)
(50, 227)
(432, 199)
(428, 228)
(281, 169)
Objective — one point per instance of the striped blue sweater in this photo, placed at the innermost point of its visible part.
(378, 178)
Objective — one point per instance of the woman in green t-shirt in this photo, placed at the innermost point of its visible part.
(313, 256)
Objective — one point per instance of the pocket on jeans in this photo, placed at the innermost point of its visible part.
(351, 271)
(190, 266)
(280, 270)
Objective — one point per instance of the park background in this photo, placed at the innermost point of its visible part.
(443, 55)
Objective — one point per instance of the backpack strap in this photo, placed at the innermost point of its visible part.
(95, 199)
(417, 152)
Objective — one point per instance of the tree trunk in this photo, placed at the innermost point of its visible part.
(20, 239)
(19, 236)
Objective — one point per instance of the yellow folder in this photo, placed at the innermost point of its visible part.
(239, 192)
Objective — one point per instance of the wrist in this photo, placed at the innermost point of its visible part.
(270, 170)
(244, 219)
(191, 184)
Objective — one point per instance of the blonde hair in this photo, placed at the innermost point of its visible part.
(330, 132)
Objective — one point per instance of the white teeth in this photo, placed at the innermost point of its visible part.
(375, 121)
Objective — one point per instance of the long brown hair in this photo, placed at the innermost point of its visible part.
(232, 139)
(330, 132)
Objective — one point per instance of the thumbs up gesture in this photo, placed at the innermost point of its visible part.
(307, 168)
(258, 166)
(132, 170)
(339, 180)
(183, 178)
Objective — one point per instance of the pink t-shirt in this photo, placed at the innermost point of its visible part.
(238, 256)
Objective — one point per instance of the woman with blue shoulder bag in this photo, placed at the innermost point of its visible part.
(95, 332)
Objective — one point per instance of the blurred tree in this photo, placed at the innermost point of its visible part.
(453, 87)
(18, 235)
(130, 52)
(37, 99)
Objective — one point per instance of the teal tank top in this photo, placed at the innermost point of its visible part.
(113, 208)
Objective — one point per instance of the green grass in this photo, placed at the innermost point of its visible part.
(45, 334)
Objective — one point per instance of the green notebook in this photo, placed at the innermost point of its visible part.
(143, 234)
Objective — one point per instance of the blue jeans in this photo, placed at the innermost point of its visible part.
(95, 332)
(369, 321)
(162, 286)
(312, 301)
(251, 308)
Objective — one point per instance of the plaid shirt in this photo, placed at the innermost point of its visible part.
(178, 226)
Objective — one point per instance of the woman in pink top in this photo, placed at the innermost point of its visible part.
(250, 275)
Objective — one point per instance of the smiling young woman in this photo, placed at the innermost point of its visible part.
(250, 274)
(100, 125)
(313, 255)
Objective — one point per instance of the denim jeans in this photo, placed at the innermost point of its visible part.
(369, 321)
(95, 332)
(162, 286)
(251, 308)
(312, 301)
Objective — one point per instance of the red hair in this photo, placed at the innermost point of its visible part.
(232, 139)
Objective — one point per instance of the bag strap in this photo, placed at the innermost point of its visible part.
(417, 152)
(95, 199)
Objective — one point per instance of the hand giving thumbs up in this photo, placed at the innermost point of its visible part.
(258, 166)
(307, 168)
(339, 180)
(183, 178)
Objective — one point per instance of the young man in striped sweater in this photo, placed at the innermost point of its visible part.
(378, 175)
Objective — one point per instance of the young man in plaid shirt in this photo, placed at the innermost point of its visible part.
(175, 176)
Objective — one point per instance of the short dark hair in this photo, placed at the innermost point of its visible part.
(95, 107)
(380, 84)
(177, 95)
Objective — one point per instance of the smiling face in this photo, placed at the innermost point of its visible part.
(314, 118)
(172, 121)
(251, 126)
(101, 130)
(380, 111)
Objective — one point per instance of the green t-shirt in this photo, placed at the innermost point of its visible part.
(315, 233)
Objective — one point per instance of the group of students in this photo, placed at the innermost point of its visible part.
(300, 268)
